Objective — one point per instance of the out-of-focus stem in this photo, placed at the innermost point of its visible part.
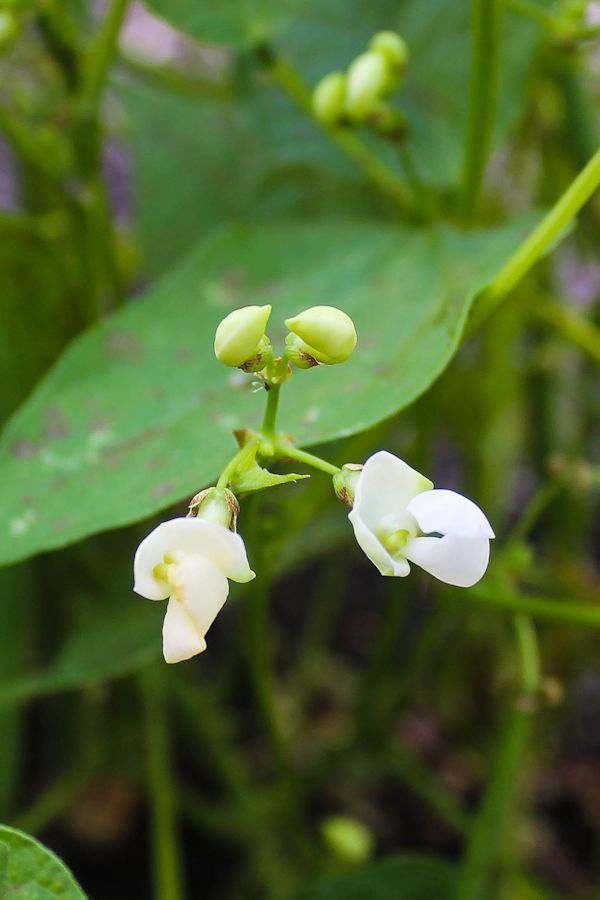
(166, 854)
(100, 54)
(571, 325)
(485, 54)
(386, 180)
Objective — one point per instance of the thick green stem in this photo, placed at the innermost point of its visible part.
(166, 853)
(542, 237)
(532, 11)
(270, 418)
(485, 53)
(385, 179)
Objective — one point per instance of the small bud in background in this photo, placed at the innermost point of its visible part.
(391, 123)
(239, 337)
(350, 840)
(328, 334)
(367, 81)
(329, 98)
(216, 505)
(344, 482)
(10, 29)
(392, 48)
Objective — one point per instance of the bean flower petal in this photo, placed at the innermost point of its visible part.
(375, 550)
(460, 561)
(189, 535)
(447, 512)
(385, 487)
(180, 638)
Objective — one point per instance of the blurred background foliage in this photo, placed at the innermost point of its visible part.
(344, 736)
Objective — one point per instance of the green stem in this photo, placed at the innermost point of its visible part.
(542, 237)
(490, 825)
(22, 141)
(285, 449)
(584, 614)
(485, 54)
(385, 179)
(166, 854)
(101, 53)
(529, 654)
(270, 418)
(259, 661)
(534, 509)
(532, 11)
(571, 325)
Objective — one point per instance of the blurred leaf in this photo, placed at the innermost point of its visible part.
(226, 21)
(32, 872)
(410, 877)
(138, 414)
(114, 642)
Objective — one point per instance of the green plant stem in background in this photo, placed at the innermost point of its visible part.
(529, 654)
(54, 802)
(100, 54)
(542, 237)
(497, 809)
(538, 504)
(483, 88)
(586, 615)
(571, 325)
(385, 179)
(166, 852)
(532, 11)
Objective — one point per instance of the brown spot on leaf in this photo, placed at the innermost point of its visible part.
(124, 345)
(25, 449)
(163, 489)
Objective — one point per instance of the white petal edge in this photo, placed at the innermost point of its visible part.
(385, 487)
(449, 513)
(180, 639)
(374, 549)
(202, 590)
(456, 560)
(221, 546)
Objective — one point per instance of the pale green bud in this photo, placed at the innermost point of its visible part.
(392, 48)
(328, 333)
(328, 98)
(238, 337)
(10, 29)
(345, 481)
(216, 505)
(367, 81)
(349, 839)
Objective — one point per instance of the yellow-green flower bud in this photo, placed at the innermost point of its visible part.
(328, 333)
(349, 839)
(216, 505)
(9, 29)
(239, 337)
(367, 81)
(328, 98)
(345, 481)
(392, 48)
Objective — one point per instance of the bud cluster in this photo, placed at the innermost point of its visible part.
(357, 97)
(320, 335)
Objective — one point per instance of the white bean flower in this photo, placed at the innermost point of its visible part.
(189, 560)
(398, 517)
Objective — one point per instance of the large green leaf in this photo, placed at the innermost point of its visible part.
(29, 871)
(138, 414)
(406, 877)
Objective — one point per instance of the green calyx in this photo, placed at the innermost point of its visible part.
(326, 335)
(345, 481)
(218, 505)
